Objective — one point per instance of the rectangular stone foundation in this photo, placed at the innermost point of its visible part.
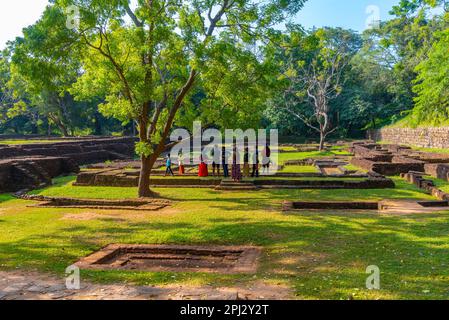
(173, 258)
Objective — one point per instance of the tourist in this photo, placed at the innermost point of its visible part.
(236, 171)
(168, 169)
(181, 167)
(266, 159)
(215, 163)
(255, 172)
(202, 169)
(224, 161)
(246, 163)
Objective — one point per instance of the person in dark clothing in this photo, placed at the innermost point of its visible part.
(255, 172)
(246, 163)
(215, 164)
(224, 162)
(236, 170)
(266, 159)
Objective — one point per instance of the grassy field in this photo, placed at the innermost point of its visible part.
(312, 154)
(19, 142)
(440, 183)
(321, 255)
(433, 150)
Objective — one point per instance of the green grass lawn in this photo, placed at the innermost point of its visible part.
(282, 157)
(299, 169)
(440, 183)
(432, 150)
(18, 142)
(321, 255)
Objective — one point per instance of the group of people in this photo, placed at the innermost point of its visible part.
(236, 169)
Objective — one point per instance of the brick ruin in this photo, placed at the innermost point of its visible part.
(417, 178)
(430, 137)
(392, 160)
(33, 172)
(174, 258)
(29, 166)
(113, 177)
(83, 151)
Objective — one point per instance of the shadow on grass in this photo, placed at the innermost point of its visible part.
(6, 197)
(321, 256)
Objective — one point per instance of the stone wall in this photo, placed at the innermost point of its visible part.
(420, 137)
(29, 166)
(30, 173)
(83, 151)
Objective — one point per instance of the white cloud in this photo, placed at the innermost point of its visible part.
(16, 15)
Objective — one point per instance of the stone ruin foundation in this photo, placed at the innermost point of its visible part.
(98, 204)
(393, 160)
(383, 207)
(33, 172)
(174, 258)
(130, 178)
(417, 178)
(31, 166)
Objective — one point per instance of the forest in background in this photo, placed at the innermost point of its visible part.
(393, 75)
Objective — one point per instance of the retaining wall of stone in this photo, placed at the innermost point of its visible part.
(420, 137)
(83, 151)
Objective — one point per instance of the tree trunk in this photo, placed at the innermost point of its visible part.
(144, 178)
(98, 128)
(60, 125)
(147, 163)
(322, 140)
(63, 129)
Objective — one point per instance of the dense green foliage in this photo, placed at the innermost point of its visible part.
(65, 81)
(398, 75)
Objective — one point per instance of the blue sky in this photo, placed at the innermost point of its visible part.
(349, 14)
(16, 14)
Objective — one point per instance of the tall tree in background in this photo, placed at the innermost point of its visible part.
(148, 68)
(432, 85)
(401, 44)
(42, 71)
(316, 75)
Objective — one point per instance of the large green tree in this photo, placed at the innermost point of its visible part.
(401, 44)
(147, 60)
(45, 64)
(432, 85)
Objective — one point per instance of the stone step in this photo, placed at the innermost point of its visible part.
(236, 188)
(232, 183)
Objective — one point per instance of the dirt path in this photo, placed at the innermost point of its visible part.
(19, 285)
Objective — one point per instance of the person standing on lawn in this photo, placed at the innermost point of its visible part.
(236, 171)
(168, 169)
(202, 169)
(255, 173)
(224, 162)
(266, 159)
(216, 160)
(246, 163)
(181, 164)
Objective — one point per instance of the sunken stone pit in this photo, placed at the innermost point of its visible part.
(99, 204)
(174, 258)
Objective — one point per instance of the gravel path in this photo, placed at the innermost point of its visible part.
(18, 285)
